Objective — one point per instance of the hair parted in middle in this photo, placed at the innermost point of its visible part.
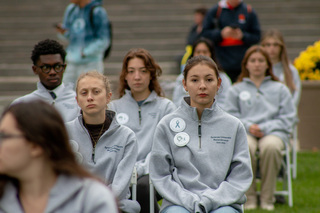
(253, 49)
(95, 74)
(283, 57)
(200, 59)
(211, 48)
(151, 66)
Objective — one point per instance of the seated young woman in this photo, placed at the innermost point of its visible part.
(200, 159)
(141, 106)
(38, 170)
(102, 145)
(265, 107)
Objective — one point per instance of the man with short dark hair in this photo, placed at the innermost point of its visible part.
(48, 57)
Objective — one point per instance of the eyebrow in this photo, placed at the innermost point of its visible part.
(138, 68)
(80, 89)
(204, 76)
(58, 63)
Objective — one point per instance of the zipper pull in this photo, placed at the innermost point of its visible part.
(93, 154)
(139, 115)
(199, 133)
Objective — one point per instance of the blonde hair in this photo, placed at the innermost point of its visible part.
(95, 74)
(277, 35)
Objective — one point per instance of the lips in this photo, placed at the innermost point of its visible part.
(53, 79)
(91, 106)
(203, 95)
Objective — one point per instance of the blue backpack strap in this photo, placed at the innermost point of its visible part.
(91, 13)
(108, 50)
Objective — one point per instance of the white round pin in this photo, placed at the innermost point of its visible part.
(245, 95)
(79, 157)
(74, 145)
(122, 118)
(181, 139)
(177, 124)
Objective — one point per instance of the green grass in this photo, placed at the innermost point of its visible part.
(306, 187)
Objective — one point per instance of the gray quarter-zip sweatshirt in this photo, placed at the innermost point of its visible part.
(69, 194)
(142, 120)
(270, 106)
(112, 159)
(211, 167)
(65, 101)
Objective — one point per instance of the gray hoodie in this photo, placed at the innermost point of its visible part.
(270, 106)
(142, 120)
(69, 194)
(212, 168)
(65, 101)
(112, 159)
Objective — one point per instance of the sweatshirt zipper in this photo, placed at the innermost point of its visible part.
(139, 115)
(93, 153)
(199, 133)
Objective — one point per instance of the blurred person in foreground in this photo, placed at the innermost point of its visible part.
(38, 170)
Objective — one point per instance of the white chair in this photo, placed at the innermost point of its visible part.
(133, 183)
(151, 196)
(294, 151)
(285, 176)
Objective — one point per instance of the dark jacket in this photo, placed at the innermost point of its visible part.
(229, 54)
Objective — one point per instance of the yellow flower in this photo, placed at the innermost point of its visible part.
(308, 62)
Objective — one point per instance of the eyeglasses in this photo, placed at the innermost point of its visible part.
(57, 68)
(4, 136)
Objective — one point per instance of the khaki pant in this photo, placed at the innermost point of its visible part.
(270, 156)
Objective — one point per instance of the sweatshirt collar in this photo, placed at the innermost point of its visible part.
(206, 114)
(9, 201)
(110, 114)
(266, 78)
(153, 95)
(59, 90)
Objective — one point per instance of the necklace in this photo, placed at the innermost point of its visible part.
(92, 138)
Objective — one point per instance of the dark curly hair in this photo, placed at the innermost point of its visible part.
(47, 47)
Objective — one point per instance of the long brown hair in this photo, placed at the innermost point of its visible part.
(42, 125)
(244, 71)
(151, 66)
(277, 35)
